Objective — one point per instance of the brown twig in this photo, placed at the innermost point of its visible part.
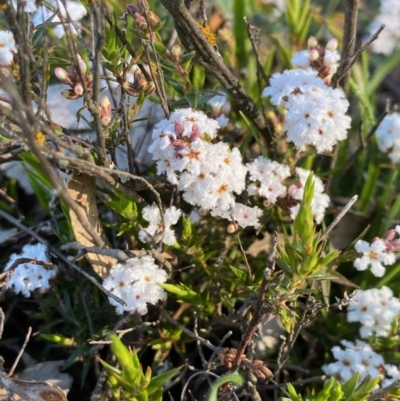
(193, 39)
(21, 226)
(348, 62)
(349, 40)
(259, 309)
(114, 253)
(21, 351)
(165, 314)
(377, 395)
(339, 217)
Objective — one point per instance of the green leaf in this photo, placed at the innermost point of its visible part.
(183, 293)
(293, 394)
(365, 390)
(349, 386)
(158, 382)
(60, 340)
(240, 274)
(129, 371)
(255, 135)
(230, 378)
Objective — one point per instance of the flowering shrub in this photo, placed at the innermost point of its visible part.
(200, 198)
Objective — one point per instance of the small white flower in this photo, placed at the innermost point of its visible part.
(136, 283)
(244, 215)
(7, 48)
(160, 225)
(374, 255)
(388, 136)
(354, 358)
(316, 113)
(320, 200)
(28, 277)
(375, 309)
(270, 175)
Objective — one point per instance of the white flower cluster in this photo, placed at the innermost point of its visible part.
(160, 225)
(243, 215)
(389, 38)
(388, 136)
(220, 108)
(375, 309)
(320, 200)
(28, 277)
(209, 174)
(315, 112)
(7, 48)
(136, 283)
(69, 11)
(354, 358)
(374, 255)
(270, 175)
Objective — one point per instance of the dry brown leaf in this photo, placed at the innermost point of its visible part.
(82, 189)
(32, 391)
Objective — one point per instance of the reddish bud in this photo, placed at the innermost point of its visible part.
(63, 76)
(179, 128)
(313, 55)
(78, 89)
(131, 9)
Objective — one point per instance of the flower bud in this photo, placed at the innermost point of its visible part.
(131, 9)
(130, 89)
(232, 228)
(332, 45)
(154, 20)
(143, 5)
(63, 76)
(105, 111)
(69, 94)
(82, 65)
(140, 21)
(176, 54)
(78, 89)
(313, 55)
(179, 128)
(312, 42)
(151, 88)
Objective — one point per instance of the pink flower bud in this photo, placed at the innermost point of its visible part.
(78, 89)
(82, 65)
(143, 5)
(313, 55)
(105, 111)
(195, 133)
(179, 128)
(63, 76)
